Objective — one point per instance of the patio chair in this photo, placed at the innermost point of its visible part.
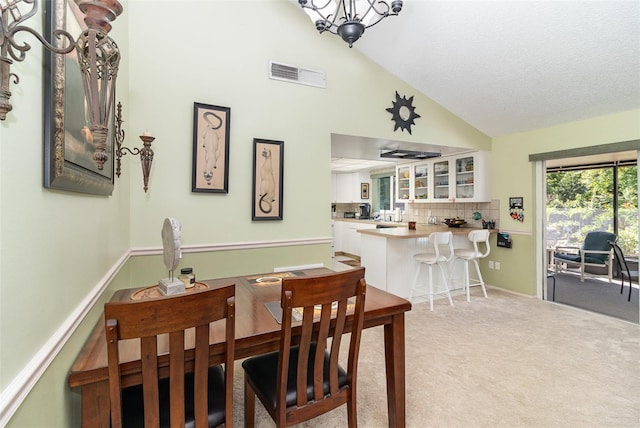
(632, 275)
(595, 252)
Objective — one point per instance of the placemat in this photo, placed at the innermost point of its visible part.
(276, 310)
(272, 278)
(152, 292)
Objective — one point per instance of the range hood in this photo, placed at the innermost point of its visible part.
(409, 154)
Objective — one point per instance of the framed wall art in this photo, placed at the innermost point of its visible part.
(68, 150)
(211, 127)
(364, 190)
(268, 163)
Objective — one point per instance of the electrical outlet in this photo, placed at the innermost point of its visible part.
(490, 264)
(497, 265)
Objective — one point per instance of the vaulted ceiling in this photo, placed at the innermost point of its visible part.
(512, 66)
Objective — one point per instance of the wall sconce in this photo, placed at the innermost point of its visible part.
(98, 57)
(12, 23)
(146, 152)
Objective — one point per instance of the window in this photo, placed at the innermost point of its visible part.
(584, 198)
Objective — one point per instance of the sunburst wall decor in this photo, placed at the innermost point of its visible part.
(403, 113)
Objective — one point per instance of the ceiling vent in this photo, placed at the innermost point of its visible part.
(290, 73)
(409, 154)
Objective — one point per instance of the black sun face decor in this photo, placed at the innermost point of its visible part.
(403, 113)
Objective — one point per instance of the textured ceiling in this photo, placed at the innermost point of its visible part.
(512, 66)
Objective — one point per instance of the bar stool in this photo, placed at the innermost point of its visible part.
(472, 255)
(431, 259)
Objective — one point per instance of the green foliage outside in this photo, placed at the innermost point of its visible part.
(582, 201)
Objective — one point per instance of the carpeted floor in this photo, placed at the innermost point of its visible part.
(505, 361)
(597, 295)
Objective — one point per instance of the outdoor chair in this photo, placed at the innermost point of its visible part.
(623, 267)
(595, 251)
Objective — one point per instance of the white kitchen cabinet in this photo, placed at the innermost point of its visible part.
(338, 233)
(344, 191)
(347, 187)
(334, 188)
(404, 188)
(469, 177)
(461, 178)
(421, 181)
(441, 180)
(346, 238)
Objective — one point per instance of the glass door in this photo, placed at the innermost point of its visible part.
(441, 180)
(465, 178)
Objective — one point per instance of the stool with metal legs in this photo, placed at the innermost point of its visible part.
(468, 255)
(440, 253)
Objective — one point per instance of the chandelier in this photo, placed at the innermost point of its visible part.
(348, 18)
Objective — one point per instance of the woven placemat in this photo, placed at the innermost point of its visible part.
(153, 291)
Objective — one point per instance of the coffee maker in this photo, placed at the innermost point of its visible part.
(365, 211)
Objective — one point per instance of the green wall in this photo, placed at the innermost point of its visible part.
(58, 247)
(513, 175)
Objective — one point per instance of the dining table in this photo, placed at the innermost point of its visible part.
(257, 331)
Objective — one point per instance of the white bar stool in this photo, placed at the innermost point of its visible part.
(436, 240)
(472, 255)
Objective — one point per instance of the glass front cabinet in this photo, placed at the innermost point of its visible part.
(404, 190)
(441, 190)
(421, 182)
(459, 178)
(469, 177)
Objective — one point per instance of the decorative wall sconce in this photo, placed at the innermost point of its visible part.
(146, 152)
(14, 13)
(98, 56)
(348, 18)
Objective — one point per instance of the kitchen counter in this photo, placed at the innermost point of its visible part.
(387, 255)
(402, 232)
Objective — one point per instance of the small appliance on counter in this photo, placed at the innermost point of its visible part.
(365, 211)
(349, 214)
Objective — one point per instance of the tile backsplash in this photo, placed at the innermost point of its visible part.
(420, 212)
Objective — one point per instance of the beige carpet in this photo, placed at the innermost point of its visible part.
(505, 361)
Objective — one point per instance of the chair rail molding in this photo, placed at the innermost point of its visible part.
(14, 394)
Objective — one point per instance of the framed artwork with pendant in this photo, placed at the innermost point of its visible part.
(211, 130)
(268, 168)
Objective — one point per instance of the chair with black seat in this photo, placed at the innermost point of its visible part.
(595, 252)
(623, 267)
(178, 386)
(300, 382)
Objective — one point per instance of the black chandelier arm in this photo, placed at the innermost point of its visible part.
(345, 15)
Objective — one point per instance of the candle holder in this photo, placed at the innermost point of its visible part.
(146, 152)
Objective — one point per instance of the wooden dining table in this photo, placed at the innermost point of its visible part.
(257, 331)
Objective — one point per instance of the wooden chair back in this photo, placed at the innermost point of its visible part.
(179, 316)
(323, 302)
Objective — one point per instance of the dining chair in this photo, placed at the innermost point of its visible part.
(595, 252)
(435, 256)
(178, 387)
(623, 267)
(304, 379)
